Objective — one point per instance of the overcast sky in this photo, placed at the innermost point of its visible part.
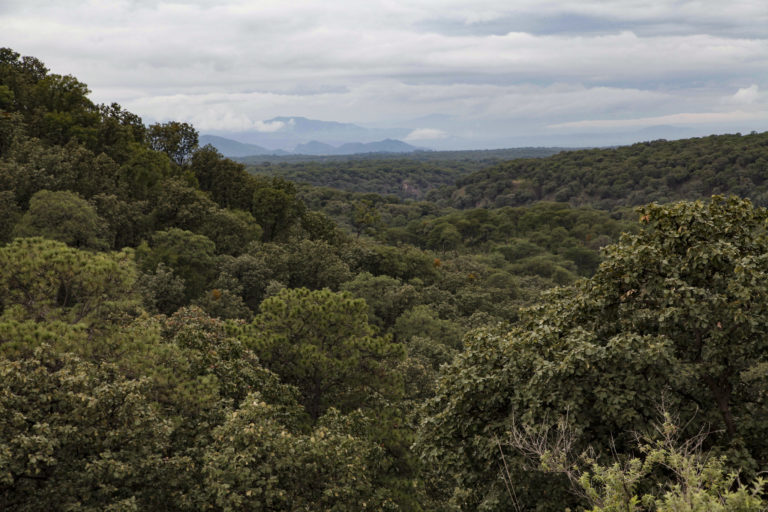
(443, 68)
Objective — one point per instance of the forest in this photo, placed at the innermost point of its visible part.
(179, 331)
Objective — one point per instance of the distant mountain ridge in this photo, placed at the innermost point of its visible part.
(235, 149)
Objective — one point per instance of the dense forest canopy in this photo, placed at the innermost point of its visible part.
(660, 171)
(177, 333)
(406, 176)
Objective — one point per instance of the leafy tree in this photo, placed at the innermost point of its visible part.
(127, 222)
(63, 216)
(74, 435)
(227, 181)
(424, 322)
(62, 110)
(161, 290)
(678, 311)
(365, 217)
(387, 297)
(444, 237)
(319, 226)
(225, 304)
(190, 256)
(275, 206)
(665, 474)
(119, 132)
(315, 265)
(231, 230)
(9, 214)
(177, 140)
(176, 204)
(698, 483)
(142, 171)
(256, 462)
(47, 280)
(320, 341)
(211, 349)
(11, 125)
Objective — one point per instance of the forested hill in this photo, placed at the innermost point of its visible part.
(178, 334)
(407, 176)
(660, 171)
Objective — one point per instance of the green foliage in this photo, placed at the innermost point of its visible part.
(212, 350)
(366, 218)
(698, 484)
(141, 172)
(9, 215)
(407, 176)
(177, 140)
(424, 322)
(256, 463)
(227, 182)
(161, 290)
(176, 204)
(119, 132)
(46, 280)
(231, 230)
(127, 221)
(660, 171)
(246, 413)
(315, 265)
(320, 341)
(65, 217)
(676, 311)
(387, 297)
(275, 206)
(190, 256)
(79, 436)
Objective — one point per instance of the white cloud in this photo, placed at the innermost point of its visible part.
(426, 134)
(224, 64)
(746, 95)
(674, 119)
(268, 127)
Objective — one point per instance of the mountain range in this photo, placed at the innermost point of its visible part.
(236, 149)
(302, 136)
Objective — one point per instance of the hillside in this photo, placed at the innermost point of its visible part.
(178, 333)
(660, 171)
(409, 175)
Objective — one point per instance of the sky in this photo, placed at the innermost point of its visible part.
(449, 73)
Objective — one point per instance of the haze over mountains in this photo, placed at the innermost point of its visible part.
(297, 135)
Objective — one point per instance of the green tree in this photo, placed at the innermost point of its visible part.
(127, 222)
(9, 215)
(320, 341)
(74, 435)
(365, 217)
(258, 463)
(664, 474)
(142, 171)
(275, 206)
(47, 280)
(699, 482)
(190, 256)
(177, 140)
(227, 181)
(63, 216)
(231, 230)
(678, 312)
(387, 297)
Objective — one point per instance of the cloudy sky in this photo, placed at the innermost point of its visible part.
(472, 73)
